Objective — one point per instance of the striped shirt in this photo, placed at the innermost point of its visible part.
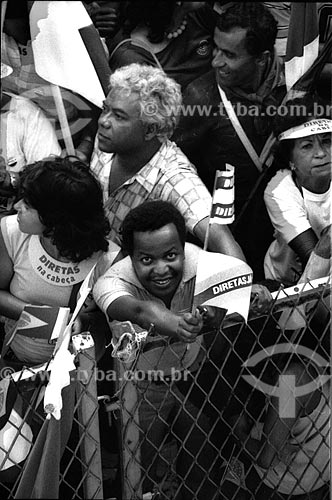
(168, 176)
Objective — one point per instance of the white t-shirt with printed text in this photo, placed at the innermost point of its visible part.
(291, 214)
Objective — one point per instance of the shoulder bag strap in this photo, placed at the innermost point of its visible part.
(239, 130)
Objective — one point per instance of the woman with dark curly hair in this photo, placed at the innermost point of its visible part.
(58, 234)
(298, 197)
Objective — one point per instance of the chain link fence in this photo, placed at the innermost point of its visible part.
(49, 458)
(188, 435)
(198, 434)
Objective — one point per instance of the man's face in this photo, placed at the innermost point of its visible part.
(120, 127)
(234, 66)
(158, 260)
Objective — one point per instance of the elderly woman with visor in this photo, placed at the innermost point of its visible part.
(298, 196)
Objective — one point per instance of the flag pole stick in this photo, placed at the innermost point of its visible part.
(3, 13)
(206, 239)
(3, 145)
(63, 119)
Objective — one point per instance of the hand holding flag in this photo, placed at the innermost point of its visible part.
(222, 281)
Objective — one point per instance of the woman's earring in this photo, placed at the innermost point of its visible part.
(291, 165)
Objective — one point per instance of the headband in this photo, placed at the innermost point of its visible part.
(319, 126)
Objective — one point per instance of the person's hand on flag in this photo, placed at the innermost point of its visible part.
(260, 299)
(189, 326)
(105, 16)
(212, 317)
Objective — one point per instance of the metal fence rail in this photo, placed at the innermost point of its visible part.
(180, 437)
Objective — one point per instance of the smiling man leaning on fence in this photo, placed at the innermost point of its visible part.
(155, 285)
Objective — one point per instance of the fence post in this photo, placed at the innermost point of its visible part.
(89, 419)
(130, 436)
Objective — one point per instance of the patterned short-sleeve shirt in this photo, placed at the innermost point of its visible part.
(168, 176)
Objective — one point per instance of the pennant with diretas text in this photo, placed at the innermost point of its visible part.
(223, 281)
(223, 197)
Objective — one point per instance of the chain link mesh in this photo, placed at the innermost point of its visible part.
(181, 438)
(80, 472)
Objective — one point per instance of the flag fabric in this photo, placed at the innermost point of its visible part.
(223, 281)
(15, 432)
(60, 376)
(63, 361)
(308, 82)
(41, 474)
(222, 211)
(42, 322)
(67, 49)
(302, 42)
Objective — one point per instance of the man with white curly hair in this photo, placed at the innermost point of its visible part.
(135, 161)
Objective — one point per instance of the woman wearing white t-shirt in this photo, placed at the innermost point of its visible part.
(298, 196)
(59, 233)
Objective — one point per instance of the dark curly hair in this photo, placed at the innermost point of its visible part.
(260, 23)
(291, 114)
(150, 216)
(69, 202)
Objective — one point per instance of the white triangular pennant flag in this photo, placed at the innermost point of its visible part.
(27, 320)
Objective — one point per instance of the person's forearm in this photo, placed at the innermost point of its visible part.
(303, 245)
(10, 306)
(164, 321)
(220, 239)
(145, 314)
(224, 243)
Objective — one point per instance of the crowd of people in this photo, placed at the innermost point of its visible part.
(191, 89)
